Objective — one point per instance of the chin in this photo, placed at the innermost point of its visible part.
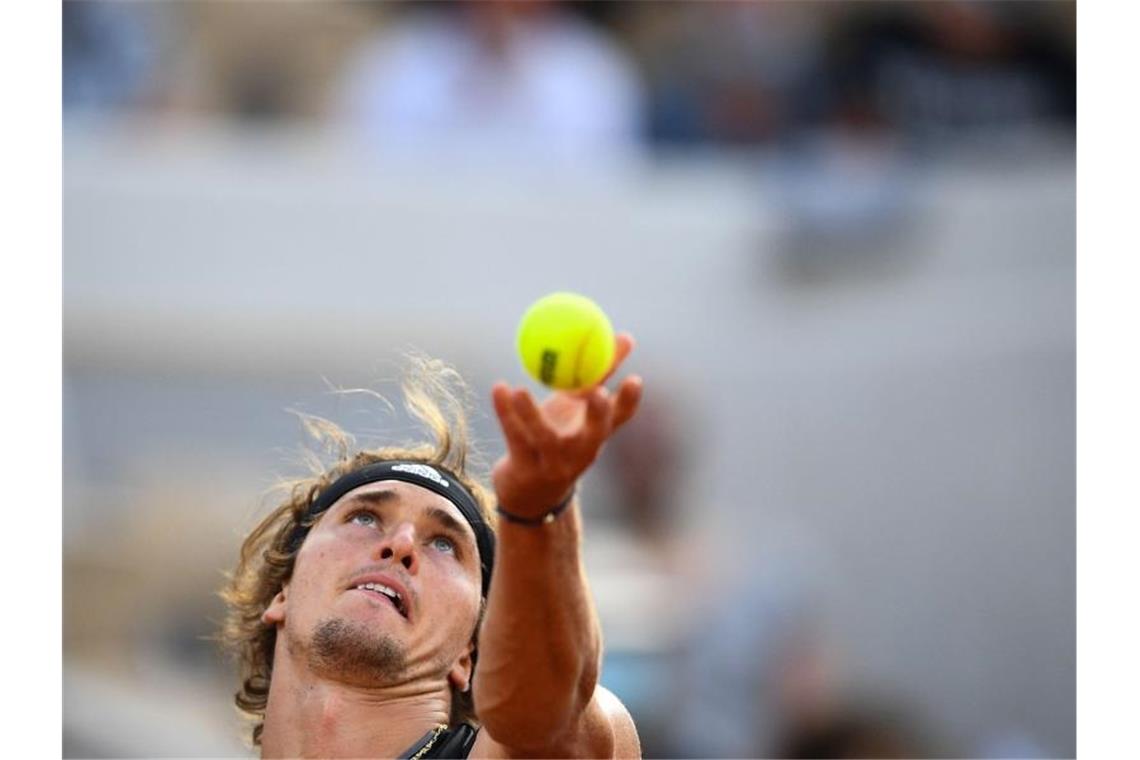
(355, 650)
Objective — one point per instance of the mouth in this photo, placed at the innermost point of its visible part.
(384, 592)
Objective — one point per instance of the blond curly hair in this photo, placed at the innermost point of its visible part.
(435, 394)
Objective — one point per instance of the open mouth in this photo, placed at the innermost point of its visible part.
(385, 592)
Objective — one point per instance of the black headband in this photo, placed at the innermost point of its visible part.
(428, 476)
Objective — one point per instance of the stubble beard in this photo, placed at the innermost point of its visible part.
(351, 653)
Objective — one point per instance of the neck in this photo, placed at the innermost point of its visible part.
(310, 716)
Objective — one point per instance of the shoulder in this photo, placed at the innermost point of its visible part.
(626, 741)
(605, 730)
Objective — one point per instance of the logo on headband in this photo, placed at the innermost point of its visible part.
(423, 471)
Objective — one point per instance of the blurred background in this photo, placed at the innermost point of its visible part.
(843, 233)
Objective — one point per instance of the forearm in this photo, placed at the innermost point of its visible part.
(540, 645)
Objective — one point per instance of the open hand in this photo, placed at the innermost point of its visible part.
(550, 445)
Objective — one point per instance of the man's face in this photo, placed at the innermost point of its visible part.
(339, 612)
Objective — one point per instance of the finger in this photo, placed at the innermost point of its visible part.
(596, 426)
(518, 440)
(627, 400)
(531, 419)
(518, 443)
(623, 344)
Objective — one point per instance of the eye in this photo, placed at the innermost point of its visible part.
(443, 544)
(367, 519)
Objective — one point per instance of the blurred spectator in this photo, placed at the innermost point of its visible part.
(644, 461)
(572, 79)
(761, 665)
(111, 51)
(725, 72)
(848, 199)
(949, 69)
(633, 513)
(859, 731)
(267, 61)
(757, 73)
(526, 78)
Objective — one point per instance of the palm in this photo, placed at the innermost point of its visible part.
(564, 412)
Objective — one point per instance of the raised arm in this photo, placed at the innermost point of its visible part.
(536, 687)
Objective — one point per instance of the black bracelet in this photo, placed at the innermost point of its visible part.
(541, 519)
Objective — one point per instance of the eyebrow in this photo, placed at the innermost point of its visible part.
(448, 522)
(373, 497)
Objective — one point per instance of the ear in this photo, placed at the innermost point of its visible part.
(460, 674)
(275, 613)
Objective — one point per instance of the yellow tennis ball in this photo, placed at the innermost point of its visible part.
(566, 341)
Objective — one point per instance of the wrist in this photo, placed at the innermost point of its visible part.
(544, 518)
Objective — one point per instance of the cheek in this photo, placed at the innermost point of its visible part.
(313, 575)
(330, 545)
(459, 597)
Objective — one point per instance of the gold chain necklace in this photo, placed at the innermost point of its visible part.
(435, 734)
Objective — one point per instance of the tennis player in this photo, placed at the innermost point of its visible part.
(393, 606)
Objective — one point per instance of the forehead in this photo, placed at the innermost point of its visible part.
(406, 496)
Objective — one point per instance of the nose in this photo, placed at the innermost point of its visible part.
(399, 545)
